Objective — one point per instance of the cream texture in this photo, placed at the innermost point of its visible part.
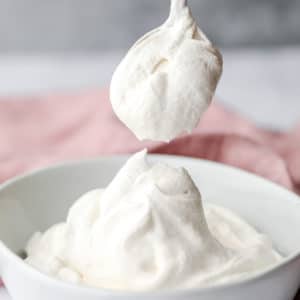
(147, 230)
(167, 79)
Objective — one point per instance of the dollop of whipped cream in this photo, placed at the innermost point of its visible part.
(167, 79)
(148, 230)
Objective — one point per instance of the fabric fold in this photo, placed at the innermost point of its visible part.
(40, 131)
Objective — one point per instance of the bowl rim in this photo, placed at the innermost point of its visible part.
(291, 258)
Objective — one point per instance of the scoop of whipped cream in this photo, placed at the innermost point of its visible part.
(147, 230)
(167, 79)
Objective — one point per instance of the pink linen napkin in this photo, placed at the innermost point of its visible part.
(37, 132)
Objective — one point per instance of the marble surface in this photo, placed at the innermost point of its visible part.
(261, 84)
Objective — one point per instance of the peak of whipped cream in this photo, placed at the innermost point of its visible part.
(167, 79)
(148, 230)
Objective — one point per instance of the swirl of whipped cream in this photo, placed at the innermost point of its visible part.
(167, 79)
(147, 230)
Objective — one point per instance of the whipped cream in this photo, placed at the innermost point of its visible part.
(167, 79)
(148, 230)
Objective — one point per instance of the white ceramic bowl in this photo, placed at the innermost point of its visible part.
(38, 200)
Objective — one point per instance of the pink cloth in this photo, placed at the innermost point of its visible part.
(37, 132)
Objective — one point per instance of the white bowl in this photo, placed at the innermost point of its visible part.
(40, 199)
